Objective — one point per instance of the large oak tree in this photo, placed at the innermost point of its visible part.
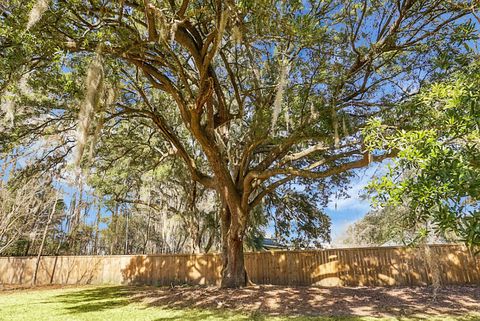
(250, 95)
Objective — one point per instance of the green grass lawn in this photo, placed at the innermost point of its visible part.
(116, 304)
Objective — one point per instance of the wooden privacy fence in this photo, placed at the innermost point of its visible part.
(385, 266)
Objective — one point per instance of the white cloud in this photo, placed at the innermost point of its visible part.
(354, 201)
(351, 202)
(344, 211)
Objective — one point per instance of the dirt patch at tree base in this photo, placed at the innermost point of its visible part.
(314, 301)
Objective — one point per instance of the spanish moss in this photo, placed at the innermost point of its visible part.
(39, 8)
(108, 100)
(282, 82)
(8, 107)
(94, 84)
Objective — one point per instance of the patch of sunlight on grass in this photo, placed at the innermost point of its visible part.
(125, 303)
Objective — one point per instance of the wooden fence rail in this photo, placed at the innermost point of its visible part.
(379, 266)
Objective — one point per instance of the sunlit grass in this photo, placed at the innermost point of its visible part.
(120, 303)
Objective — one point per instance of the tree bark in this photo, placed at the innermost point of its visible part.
(147, 236)
(113, 241)
(211, 239)
(126, 233)
(44, 237)
(97, 231)
(234, 274)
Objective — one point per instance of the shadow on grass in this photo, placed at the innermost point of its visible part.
(347, 303)
(97, 299)
(257, 303)
(111, 297)
(197, 316)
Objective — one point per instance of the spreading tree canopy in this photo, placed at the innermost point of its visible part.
(257, 99)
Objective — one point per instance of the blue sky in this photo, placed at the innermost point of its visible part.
(345, 211)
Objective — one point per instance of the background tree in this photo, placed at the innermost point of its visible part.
(29, 209)
(387, 225)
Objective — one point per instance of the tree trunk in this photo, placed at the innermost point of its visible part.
(211, 239)
(235, 214)
(97, 230)
(44, 237)
(147, 236)
(113, 241)
(126, 233)
(234, 274)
